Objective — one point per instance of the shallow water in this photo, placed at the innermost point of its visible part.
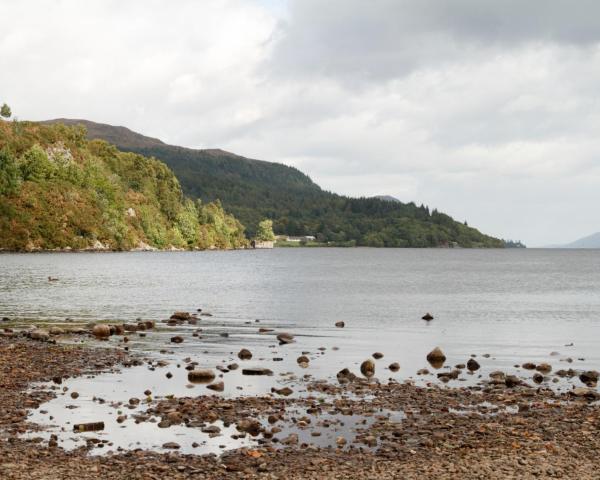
(515, 305)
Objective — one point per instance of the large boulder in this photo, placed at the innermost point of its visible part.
(101, 331)
(367, 368)
(245, 354)
(203, 375)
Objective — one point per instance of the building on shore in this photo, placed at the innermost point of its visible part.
(304, 238)
(263, 244)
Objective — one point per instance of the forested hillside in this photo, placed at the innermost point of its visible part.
(254, 189)
(58, 190)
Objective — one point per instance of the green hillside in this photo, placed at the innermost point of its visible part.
(58, 190)
(255, 189)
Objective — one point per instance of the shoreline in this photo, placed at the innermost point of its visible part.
(495, 431)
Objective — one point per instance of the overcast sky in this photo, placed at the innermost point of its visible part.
(487, 110)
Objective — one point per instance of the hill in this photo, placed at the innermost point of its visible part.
(591, 241)
(59, 190)
(255, 189)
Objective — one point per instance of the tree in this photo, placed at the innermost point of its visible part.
(5, 111)
(264, 233)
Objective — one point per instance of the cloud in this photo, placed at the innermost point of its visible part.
(485, 110)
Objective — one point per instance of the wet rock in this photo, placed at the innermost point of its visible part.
(171, 445)
(177, 339)
(74, 395)
(340, 324)
(436, 358)
(244, 354)
(423, 371)
(512, 381)
(303, 359)
(544, 368)
(201, 376)
(130, 327)
(291, 439)
(169, 375)
(428, 317)
(473, 365)
(233, 366)
(528, 366)
(285, 338)
(584, 392)
(40, 335)
(345, 376)
(340, 441)
(377, 355)
(56, 331)
(590, 378)
(181, 316)
(101, 331)
(256, 371)
(498, 375)
(134, 401)
(394, 367)
(445, 376)
(285, 391)
(265, 330)
(538, 378)
(367, 368)
(217, 386)
(249, 425)
(88, 427)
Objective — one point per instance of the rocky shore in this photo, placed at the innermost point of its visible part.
(501, 428)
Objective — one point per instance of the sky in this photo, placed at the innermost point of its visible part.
(486, 110)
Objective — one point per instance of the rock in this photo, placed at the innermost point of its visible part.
(171, 446)
(377, 355)
(498, 376)
(428, 316)
(56, 331)
(436, 357)
(88, 427)
(249, 425)
(181, 316)
(473, 365)
(423, 371)
(265, 330)
(130, 327)
(256, 371)
(40, 335)
(285, 338)
(291, 439)
(201, 376)
(445, 376)
(177, 339)
(233, 366)
(584, 392)
(538, 378)
(394, 367)
(285, 391)
(528, 366)
(340, 324)
(345, 376)
(590, 378)
(367, 368)
(74, 395)
(303, 359)
(512, 381)
(101, 331)
(217, 386)
(245, 354)
(340, 441)
(544, 368)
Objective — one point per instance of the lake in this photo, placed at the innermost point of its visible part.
(505, 306)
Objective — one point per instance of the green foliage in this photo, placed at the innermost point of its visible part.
(10, 179)
(264, 233)
(5, 111)
(58, 190)
(253, 190)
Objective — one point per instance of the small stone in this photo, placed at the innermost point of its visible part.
(377, 355)
(285, 338)
(472, 365)
(244, 354)
(367, 368)
(217, 386)
(394, 367)
(171, 445)
(340, 324)
(177, 339)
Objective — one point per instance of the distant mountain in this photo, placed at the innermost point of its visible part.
(254, 189)
(387, 198)
(591, 241)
